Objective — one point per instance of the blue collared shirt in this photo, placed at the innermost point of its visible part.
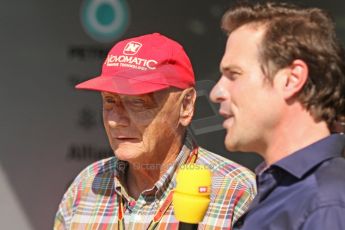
(305, 190)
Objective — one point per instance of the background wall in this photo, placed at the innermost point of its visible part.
(49, 131)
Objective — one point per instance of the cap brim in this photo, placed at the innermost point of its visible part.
(121, 85)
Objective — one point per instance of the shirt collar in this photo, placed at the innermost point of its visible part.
(301, 161)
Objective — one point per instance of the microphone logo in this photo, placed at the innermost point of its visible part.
(202, 189)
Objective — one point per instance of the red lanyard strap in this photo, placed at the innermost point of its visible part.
(120, 213)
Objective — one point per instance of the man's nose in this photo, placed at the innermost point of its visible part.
(117, 117)
(217, 93)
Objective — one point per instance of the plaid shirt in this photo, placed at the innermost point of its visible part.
(91, 201)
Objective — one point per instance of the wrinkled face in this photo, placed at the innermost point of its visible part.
(248, 102)
(141, 128)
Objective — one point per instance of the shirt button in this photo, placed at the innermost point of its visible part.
(132, 204)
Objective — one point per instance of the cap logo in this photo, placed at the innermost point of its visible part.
(132, 48)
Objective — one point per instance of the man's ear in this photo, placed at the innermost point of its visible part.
(293, 78)
(187, 106)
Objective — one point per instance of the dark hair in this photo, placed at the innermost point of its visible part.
(298, 33)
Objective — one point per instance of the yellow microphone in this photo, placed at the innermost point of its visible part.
(192, 193)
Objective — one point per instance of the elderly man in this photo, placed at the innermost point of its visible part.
(148, 101)
(282, 88)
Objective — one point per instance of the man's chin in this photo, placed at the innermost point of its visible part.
(230, 145)
(126, 154)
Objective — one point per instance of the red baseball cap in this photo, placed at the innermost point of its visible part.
(142, 65)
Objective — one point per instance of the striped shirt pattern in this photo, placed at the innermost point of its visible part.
(91, 200)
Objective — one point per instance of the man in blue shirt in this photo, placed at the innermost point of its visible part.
(281, 90)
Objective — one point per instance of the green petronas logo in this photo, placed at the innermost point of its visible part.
(105, 20)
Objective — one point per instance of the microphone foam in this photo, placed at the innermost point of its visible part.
(192, 193)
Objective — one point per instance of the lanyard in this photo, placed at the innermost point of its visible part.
(162, 209)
